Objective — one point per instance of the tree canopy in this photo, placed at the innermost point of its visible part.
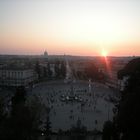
(128, 117)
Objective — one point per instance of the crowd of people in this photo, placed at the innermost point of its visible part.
(64, 114)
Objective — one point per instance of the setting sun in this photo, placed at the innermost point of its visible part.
(104, 53)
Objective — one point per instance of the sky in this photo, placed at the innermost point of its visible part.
(75, 27)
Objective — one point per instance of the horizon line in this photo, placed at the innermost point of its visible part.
(1, 54)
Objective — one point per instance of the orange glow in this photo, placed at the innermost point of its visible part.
(72, 27)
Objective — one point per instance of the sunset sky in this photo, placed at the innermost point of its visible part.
(76, 27)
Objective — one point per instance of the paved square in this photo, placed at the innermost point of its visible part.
(92, 109)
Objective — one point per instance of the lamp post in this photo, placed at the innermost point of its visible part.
(89, 86)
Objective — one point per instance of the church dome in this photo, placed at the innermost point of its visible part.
(45, 54)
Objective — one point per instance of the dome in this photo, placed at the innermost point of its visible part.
(45, 54)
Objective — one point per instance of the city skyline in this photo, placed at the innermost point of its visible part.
(76, 27)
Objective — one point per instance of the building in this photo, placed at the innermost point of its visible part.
(45, 56)
(14, 77)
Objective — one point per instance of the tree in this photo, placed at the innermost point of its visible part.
(128, 116)
(2, 114)
(107, 131)
(19, 124)
(3, 117)
(37, 69)
(63, 69)
(49, 72)
(92, 72)
(25, 119)
(44, 71)
(37, 109)
(48, 125)
(79, 128)
(18, 99)
(57, 69)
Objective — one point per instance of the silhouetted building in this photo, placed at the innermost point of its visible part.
(16, 76)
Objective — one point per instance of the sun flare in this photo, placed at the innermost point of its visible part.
(104, 53)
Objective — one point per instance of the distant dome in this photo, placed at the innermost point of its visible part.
(45, 54)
